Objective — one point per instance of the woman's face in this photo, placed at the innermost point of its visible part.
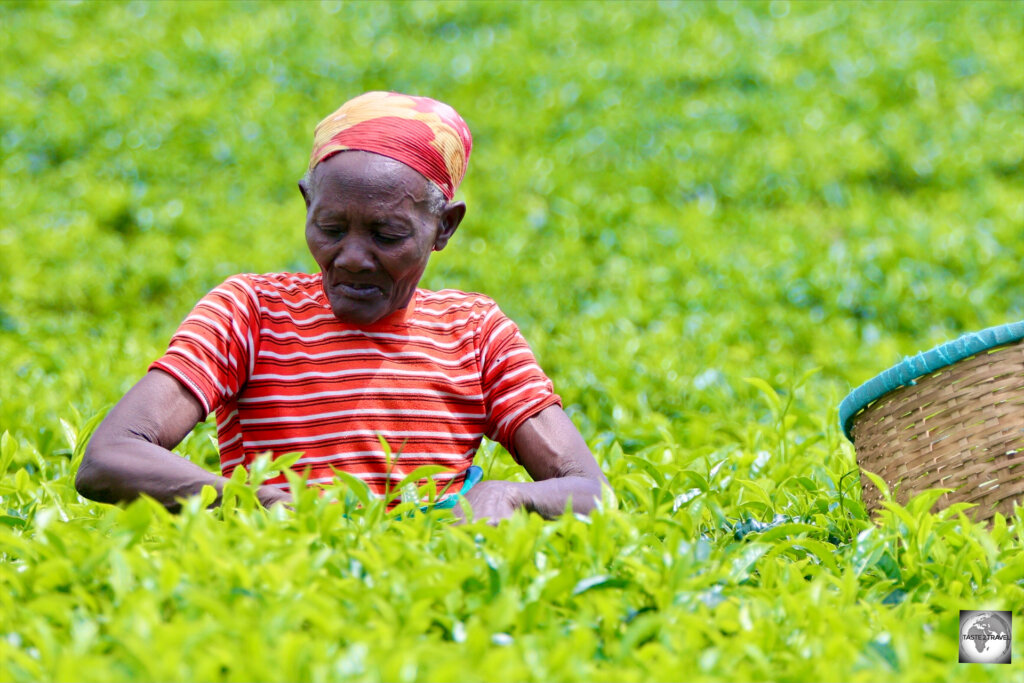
(371, 227)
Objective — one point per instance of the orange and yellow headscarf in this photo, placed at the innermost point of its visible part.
(424, 134)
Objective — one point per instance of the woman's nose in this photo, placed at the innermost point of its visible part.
(354, 254)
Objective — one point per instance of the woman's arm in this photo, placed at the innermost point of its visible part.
(130, 455)
(554, 454)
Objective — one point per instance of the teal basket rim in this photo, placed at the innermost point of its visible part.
(906, 372)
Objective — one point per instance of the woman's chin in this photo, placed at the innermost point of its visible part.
(364, 308)
(358, 315)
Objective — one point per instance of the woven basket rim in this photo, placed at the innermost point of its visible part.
(924, 363)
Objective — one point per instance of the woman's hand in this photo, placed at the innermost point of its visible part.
(493, 500)
(129, 454)
(564, 471)
(270, 496)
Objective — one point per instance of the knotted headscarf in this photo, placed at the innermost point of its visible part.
(424, 134)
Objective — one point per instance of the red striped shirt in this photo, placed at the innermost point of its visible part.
(266, 354)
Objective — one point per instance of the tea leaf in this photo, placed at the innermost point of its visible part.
(356, 485)
(879, 484)
(768, 393)
(8, 448)
(422, 472)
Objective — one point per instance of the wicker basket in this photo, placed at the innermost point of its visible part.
(952, 417)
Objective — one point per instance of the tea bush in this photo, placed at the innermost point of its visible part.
(710, 221)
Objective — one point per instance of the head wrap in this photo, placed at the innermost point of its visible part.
(424, 134)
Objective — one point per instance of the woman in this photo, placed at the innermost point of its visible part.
(328, 364)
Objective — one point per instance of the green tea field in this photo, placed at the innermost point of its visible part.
(710, 220)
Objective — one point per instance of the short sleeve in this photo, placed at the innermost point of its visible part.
(213, 350)
(514, 387)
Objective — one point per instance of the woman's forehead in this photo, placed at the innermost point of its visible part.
(369, 185)
(369, 173)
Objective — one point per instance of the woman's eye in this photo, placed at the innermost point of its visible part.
(389, 239)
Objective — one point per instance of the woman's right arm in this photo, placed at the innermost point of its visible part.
(129, 454)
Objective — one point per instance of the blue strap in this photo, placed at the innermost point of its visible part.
(473, 476)
(922, 364)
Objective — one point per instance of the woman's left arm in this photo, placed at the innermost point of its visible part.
(562, 467)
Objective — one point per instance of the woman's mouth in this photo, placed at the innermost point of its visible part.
(362, 291)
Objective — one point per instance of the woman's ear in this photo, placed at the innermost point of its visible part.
(451, 217)
(304, 189)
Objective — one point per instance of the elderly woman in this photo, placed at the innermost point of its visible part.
(327, 364)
